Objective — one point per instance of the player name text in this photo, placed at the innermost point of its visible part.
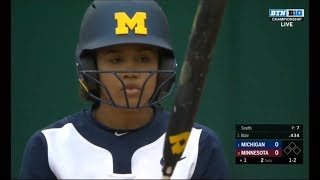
(246, 128)
(245, 135)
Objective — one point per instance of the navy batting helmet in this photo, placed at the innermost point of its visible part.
(114, 22)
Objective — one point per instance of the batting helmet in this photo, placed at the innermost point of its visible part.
(114, 22)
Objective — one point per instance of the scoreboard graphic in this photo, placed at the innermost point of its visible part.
(269, 144)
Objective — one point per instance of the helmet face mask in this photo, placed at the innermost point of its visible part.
(108, 23)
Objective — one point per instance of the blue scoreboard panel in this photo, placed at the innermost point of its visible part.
(269, 144)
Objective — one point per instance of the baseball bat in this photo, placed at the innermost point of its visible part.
(191, 82)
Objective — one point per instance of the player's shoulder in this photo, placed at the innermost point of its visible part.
(207, 134)
(38, 137)
(72, 118)
(205, 129)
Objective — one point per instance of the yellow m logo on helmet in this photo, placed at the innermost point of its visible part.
(137, 22)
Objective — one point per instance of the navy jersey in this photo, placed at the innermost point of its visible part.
(78, 146)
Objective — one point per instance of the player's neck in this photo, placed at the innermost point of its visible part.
(117, 118)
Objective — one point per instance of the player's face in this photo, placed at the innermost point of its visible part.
(128, 57)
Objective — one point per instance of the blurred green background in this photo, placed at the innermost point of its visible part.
(259, 73)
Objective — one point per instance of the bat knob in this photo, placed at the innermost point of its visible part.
(165, 177)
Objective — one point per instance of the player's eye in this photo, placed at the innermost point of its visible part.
(143, 59)
(115, 60)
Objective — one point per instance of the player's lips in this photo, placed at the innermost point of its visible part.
(131, 89)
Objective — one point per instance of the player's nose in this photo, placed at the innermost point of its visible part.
(132, 70)
(130, 74)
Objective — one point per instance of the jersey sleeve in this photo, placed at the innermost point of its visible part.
(35, 159)
(211, 162)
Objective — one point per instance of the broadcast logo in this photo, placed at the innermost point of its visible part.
(286, 17)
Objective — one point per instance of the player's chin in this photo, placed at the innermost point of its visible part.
(134, 102)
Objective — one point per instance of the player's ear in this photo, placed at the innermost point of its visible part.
(88, 81)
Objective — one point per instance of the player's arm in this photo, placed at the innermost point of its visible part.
(211, 162)
(35, 159)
